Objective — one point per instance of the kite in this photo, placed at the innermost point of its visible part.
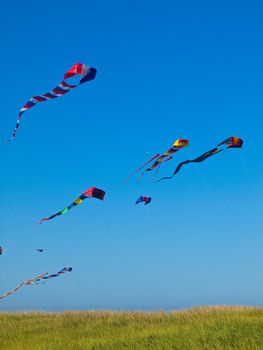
(87, 73)
(92, 192)
(1, 250)
(24, 283)
(36, 281)
(178, 144)
(230, 142)
(144, 199)
(40, 250)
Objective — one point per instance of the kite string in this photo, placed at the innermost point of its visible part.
(214, 197)
(226, 217)
(77, 290)
(153, 240)
(247, 168)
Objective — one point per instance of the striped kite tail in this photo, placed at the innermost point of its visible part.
(16, 127)
(58, 91)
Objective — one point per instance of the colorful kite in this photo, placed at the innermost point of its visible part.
(144, 199)
(24, 283)
(92, 192)
(87, 73)
(178, 144)
(36, 281)
(230, 142)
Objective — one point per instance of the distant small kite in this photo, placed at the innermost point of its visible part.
(178, 144)
(230, 142)
(24, 283)
(144, 199)
(40, 250)
(92, 192)
(87, 73)
(1, 250)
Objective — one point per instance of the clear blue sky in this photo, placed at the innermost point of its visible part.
(166, 70)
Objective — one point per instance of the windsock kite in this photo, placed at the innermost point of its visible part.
(87, 73)
(178, 144)
(230, 142)
(92, 192)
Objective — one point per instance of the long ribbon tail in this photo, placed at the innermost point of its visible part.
(87, 73)
(158, 168)
(58, 91)
(164, 178)
(160, 163)
(199, 159)
(157, 163)
(166, 160)
(42, 220)
(64, 270)
(34, 279)
(65, 210)
(179, 166)
(142, 166)
(21, 285)
(12, 291)
(206, 155)
(163, 158)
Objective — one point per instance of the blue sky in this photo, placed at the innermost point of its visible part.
(166, 70)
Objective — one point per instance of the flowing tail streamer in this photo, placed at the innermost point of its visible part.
(24, 283)
(178, 144)
(87, 73)
(92, 192)
(40, 278)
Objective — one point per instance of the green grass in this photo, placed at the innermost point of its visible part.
(201, 328)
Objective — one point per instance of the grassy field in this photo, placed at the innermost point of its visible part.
(199, 328)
